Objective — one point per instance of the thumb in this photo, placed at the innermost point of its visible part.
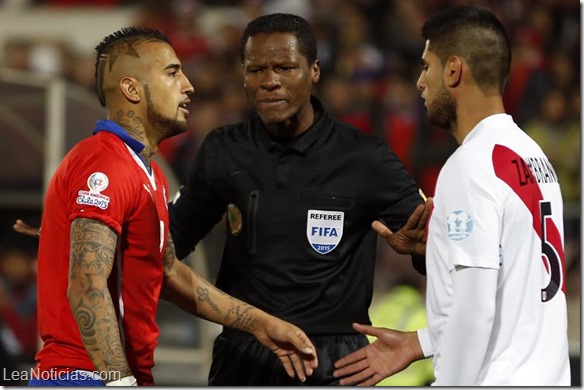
(381, 229)
(368, 330)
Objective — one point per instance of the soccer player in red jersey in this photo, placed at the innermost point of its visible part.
(105, 255)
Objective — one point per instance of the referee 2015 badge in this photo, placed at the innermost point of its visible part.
(459, 224)
(324, 229)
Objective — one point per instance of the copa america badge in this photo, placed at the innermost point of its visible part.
(460, 225)
(97, 182)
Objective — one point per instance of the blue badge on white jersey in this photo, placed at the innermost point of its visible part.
(460, 225)
(324, 229)
(96, 182)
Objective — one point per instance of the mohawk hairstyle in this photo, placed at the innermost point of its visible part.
(283, 23)
(475, 34)
(126, 35)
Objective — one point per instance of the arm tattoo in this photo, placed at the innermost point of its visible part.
(93, 246)
(203, 296)
(240, 316)
(169, 257)
(185, 287)
(206, 283)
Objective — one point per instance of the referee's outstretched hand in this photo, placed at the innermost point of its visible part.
(392, 352)
(290, 344)
(411, 238)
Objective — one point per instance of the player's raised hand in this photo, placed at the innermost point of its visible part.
(23, 228)
(290, 344)
(392, 352)
(411, 238)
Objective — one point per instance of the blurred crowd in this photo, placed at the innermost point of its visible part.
(370, 57)
(18, 316)
(370, 60)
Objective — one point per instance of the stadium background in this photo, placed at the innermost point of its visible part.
(369, 52)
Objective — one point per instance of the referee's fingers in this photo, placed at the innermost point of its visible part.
(381, 229)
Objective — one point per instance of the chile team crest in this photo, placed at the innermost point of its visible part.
(324, 229)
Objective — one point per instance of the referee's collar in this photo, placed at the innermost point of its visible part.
(301, 142)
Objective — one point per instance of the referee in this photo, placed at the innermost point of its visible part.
(300, 190)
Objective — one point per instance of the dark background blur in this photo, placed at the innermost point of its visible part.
(370, 59)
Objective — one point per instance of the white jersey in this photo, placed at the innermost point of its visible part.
(498, 206)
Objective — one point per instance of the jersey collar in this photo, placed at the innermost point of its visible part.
(488, 122)
(113, 127)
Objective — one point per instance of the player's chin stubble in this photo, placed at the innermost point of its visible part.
(442, 111)
(167, 127)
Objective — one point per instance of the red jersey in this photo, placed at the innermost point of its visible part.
(103, 178)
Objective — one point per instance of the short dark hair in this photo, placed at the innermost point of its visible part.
(128, 36)
(475, 34)
(286, 23)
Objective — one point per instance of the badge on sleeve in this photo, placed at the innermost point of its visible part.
(324, 229)
(97, 182)
(234, 218)
(459, 224)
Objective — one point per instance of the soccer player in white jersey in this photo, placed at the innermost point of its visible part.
(496, 296)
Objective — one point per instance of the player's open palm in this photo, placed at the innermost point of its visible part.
(411, 238)
(291, 345)
(392, 352)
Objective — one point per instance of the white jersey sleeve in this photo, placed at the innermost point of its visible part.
(466, 337)
(470, 216)
(425, 342)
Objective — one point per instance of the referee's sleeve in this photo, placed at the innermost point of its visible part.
(197, 207)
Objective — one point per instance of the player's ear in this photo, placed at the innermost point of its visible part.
(453, 71)
(129, 88)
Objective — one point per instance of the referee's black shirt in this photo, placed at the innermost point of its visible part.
(267, 190)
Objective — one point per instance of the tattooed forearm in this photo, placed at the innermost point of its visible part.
(193, 293)
(203, 296)
(169, 258)
(202, 281)
(91, 260)
(240, 316)
(101, 337)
